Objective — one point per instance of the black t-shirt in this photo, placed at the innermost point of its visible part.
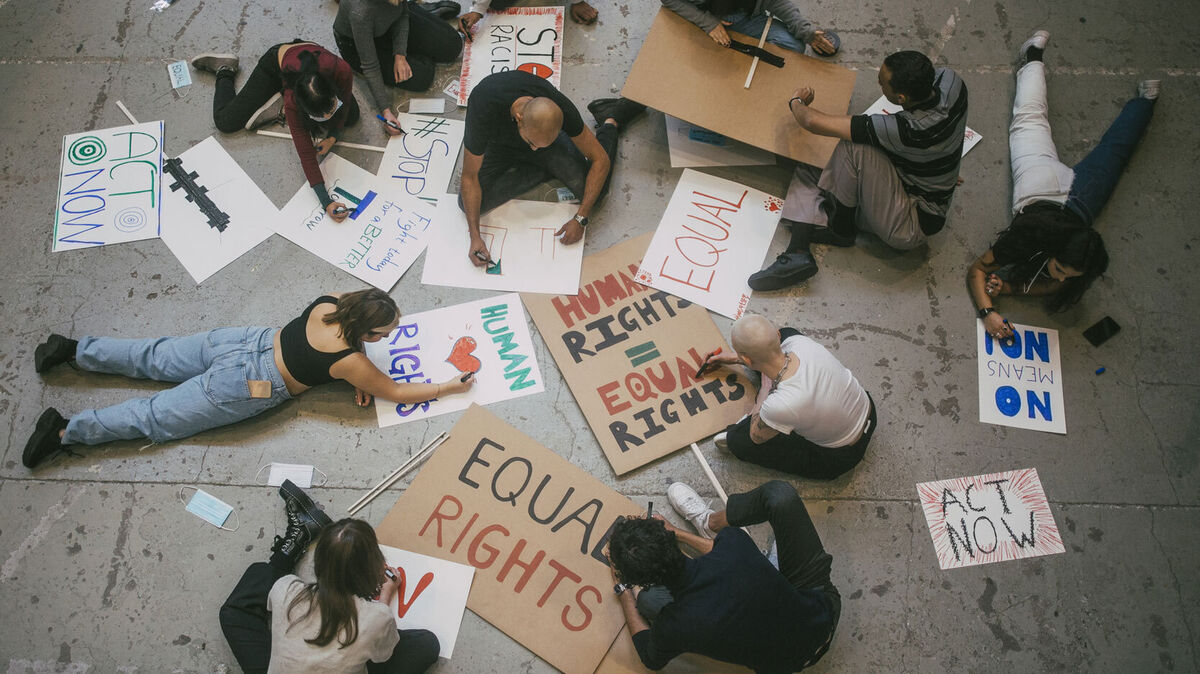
(732, 605)
(489, 109)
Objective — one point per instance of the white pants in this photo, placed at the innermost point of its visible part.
(1037, 173)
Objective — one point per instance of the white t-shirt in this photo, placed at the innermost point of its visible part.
(822, 401)
(377, 635)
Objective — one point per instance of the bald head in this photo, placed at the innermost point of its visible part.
(755, 338)
(540, 121)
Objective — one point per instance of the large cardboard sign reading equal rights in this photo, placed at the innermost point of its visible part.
(630, 353)
(1020, 380)
(989, 518)
(712, 237)
(421, 160)
(533, 525)
(519, 38)
(109, 182)
(683, 73)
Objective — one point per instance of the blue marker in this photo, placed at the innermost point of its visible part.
(389, 122)
(1100, 370)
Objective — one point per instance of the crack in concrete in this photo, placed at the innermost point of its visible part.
(1183, 605)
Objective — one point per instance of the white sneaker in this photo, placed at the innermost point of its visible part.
(721, 441)
(691, 506)
(1038, 41)
(1148, 89)
(270, 113)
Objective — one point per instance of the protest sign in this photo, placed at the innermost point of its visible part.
(422, 159)
(1020, 379)
(532, 524)
(520, 239)
(212, 211)
(691, 145)
(378, 242)
(642, 398)
(885, 107)
(989, 518)
(712, 237)
(519, 38)
(109, 184)
(433, 594)
(489, 337)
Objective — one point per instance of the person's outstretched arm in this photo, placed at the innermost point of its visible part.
(369, 381)
(815, 121)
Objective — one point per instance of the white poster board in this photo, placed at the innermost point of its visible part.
(712, 237)
(1020, 379)
(489, 337)
(377, 243)
(109, 186)
(519, 38)
(215, 213)
(885, 107)
(433, 594)
(692, 145)
(519, 236)
(421, 161)
(989, 518)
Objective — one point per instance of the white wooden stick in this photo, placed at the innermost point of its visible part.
(352, 146)
(400, 472)
(708, 472)
(132, 119)
(761, 41)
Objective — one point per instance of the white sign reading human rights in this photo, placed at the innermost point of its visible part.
(989, 518)
(712, 237)
(433, 594)
(519, 38)
(1020, 379)
(212, 211)
(691, 145)
(109, 186)
(380, 238)
(520, 239)
(489, 337)
(885, 107)
(421, 161)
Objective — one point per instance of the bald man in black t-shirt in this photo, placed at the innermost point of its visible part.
(521, 131)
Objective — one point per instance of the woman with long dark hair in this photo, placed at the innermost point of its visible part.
(303, 82)
(276, 622)
(1050, 248)
(229, 374)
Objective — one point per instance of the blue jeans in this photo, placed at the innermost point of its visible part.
(1097, 174)
(753, 26)
(213, 370)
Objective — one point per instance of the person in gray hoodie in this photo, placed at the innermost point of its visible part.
(789, 29)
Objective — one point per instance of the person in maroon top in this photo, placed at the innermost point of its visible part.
(302, 82)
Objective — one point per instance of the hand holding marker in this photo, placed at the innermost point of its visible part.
(389, 122)
(708, 364)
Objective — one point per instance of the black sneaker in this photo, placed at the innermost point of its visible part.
(442, 9)
(622, 110)
(44, 442)
(56, 350)
(827, 236)
(304, 509)
(787, 269)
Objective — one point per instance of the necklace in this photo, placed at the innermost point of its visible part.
(787, 360)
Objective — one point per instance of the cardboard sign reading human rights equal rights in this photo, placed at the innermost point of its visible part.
(712, 237)
(630, 354)
(519, 38)
(1020, 380)
(533, 525)
(989, 518)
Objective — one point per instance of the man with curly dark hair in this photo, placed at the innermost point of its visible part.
(730, 603)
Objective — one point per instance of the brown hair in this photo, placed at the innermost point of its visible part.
(360, 312)
(348, 563)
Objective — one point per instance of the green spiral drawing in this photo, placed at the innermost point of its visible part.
(86, 150)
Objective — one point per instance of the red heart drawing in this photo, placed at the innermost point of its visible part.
(773, 204)
(460, 356)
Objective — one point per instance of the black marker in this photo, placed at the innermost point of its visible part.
(339, 211)
(388, 572)
(485, 258)
(465, 377)
(650, 510)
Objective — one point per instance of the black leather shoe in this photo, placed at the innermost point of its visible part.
(622, 110)
(827, 236)
(56, 350)
(788, 269)
(443, 9)
(308, 513)
(44, 442)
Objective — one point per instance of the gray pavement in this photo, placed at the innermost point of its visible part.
(102, 570)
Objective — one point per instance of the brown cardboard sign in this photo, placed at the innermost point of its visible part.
(533, 525)
(630, 354)
(683, 73)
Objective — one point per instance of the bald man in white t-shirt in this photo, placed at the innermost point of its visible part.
(812, 418)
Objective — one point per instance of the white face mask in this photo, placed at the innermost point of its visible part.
(326, 118)
(298, 473)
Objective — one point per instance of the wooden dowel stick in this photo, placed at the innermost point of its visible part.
(708, 472)
(761, 41)
(132, 119)
(352, 146)
(397, 474)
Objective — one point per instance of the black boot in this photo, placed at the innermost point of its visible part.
(310, 515)
(45, 441)
(54, 351)
(289, 548)
(442, 9)
(621, 110)
(787, 269)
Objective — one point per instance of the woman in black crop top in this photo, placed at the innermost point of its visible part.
(229, 374)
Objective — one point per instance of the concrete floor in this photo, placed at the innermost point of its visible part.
(103, 570)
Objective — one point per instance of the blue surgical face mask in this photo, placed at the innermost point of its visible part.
(208, 508)
(328, 117)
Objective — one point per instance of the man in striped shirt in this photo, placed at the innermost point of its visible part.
(892, 175)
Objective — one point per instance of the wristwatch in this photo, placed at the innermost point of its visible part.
(620, 588)
(581, 219)
(985, 311)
